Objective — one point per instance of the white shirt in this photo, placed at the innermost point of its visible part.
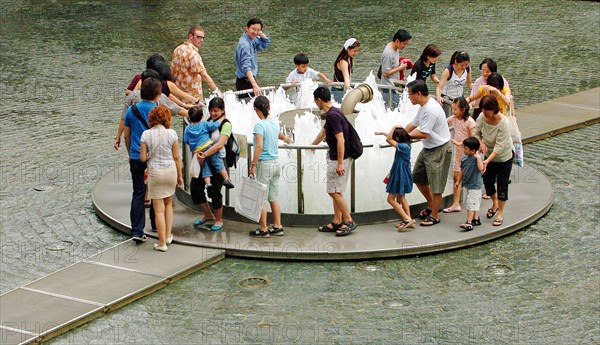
(298, 77)
(160, 141)
(431, 119)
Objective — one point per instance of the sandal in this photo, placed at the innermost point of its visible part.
(326, 228)
(424, 213)
(497, 222)
(429, 221)
(491, 213)
(406, 224)
(476, 222)
(346, 228)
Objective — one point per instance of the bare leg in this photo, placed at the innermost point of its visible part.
(207, 181)
(436, 202)
(159, 212)
(207, 212)
(392, 199)
(168, 201)
(342, 207)
(276, 212)
(224, 174)
(405, 206)
(426, 191)
(218, 217)
(456, 190)
(337, 213)
(263, 218)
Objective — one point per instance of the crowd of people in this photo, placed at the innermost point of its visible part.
(483, 147)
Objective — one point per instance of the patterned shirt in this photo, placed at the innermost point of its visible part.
(186, 67)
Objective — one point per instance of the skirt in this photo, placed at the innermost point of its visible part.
(161, 182)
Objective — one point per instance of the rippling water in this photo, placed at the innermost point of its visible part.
(64, 65)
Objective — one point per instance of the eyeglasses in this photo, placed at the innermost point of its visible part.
(200, 37)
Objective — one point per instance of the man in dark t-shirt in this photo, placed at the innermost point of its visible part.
(335, 132)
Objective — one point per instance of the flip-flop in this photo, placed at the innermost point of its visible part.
(406, 225)
(491, 213)
(326, 228)
(429, 221)
(424, 213)
(497, 222)
(202, 222)
(216, 227)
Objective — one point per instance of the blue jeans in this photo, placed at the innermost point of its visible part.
(137, 213)
(395, 99)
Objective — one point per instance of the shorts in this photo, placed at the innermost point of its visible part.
(335, 182)
(431, 167)
(473, 201)
(268, 172)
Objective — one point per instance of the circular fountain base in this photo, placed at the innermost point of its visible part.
(531, 196)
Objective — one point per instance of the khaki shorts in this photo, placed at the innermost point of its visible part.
(268, 172)
(335, 182)
(473, 201)
(431, 167)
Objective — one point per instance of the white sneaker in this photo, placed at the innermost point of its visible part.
(160, 248)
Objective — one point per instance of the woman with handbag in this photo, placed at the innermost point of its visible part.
(493, 131)
(160, 149)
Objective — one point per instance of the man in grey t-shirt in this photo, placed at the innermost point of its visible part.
(390, 63)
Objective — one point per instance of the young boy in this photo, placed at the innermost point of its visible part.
(471, 167)
(197, 136)
(303, 72)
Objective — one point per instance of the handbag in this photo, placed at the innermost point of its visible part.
(515, 134)
(195, 166)
(249, 201)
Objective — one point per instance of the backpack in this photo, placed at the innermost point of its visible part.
(355, 146)
(232, 149)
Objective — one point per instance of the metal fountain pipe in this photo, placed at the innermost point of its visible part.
(362, 93)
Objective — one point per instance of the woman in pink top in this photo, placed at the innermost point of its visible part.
(464, 127)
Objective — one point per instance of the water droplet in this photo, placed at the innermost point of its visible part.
(395, 303)
(253, 282)
(499, 269)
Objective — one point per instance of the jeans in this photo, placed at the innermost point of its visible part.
(395, 99)
(137, 213)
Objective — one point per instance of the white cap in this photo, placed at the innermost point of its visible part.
(349, 42)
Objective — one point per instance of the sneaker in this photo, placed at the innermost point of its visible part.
(139, 239)
(273, 230)
(160, 248)
(259, 233)
(466, 226)
(476, 222)
(227, 183)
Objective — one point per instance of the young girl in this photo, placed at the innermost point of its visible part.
(400, 178)
(454, 78)
(464, 126)
(425, 66)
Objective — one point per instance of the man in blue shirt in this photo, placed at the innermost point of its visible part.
(134, 127)
(246, 59)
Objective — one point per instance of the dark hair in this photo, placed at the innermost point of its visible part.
(496, 81)
(464, 105)
(153, 59)
(490, 102)
(419, 86)
(322, 93)
(472, 143)
(194, 28)
(195, 113)
(343, 55)
(255, 21)
(459, 56)
(430, 50)
(216, 102)
(300, 59)
(492, 66)
(151, 88)
(402, 35)
(150, 73)
(262, 103)
(160, 115)
(401, 136)
(164, 70)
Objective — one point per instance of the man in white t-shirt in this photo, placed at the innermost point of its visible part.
(430, 171)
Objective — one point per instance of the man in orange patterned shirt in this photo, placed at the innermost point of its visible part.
(187, 67)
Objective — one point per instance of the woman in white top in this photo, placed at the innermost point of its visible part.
(160, 148)
(454, 78)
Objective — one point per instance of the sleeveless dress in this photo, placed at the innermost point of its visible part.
(400, 181)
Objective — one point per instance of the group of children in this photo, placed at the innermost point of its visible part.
(468, 169)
